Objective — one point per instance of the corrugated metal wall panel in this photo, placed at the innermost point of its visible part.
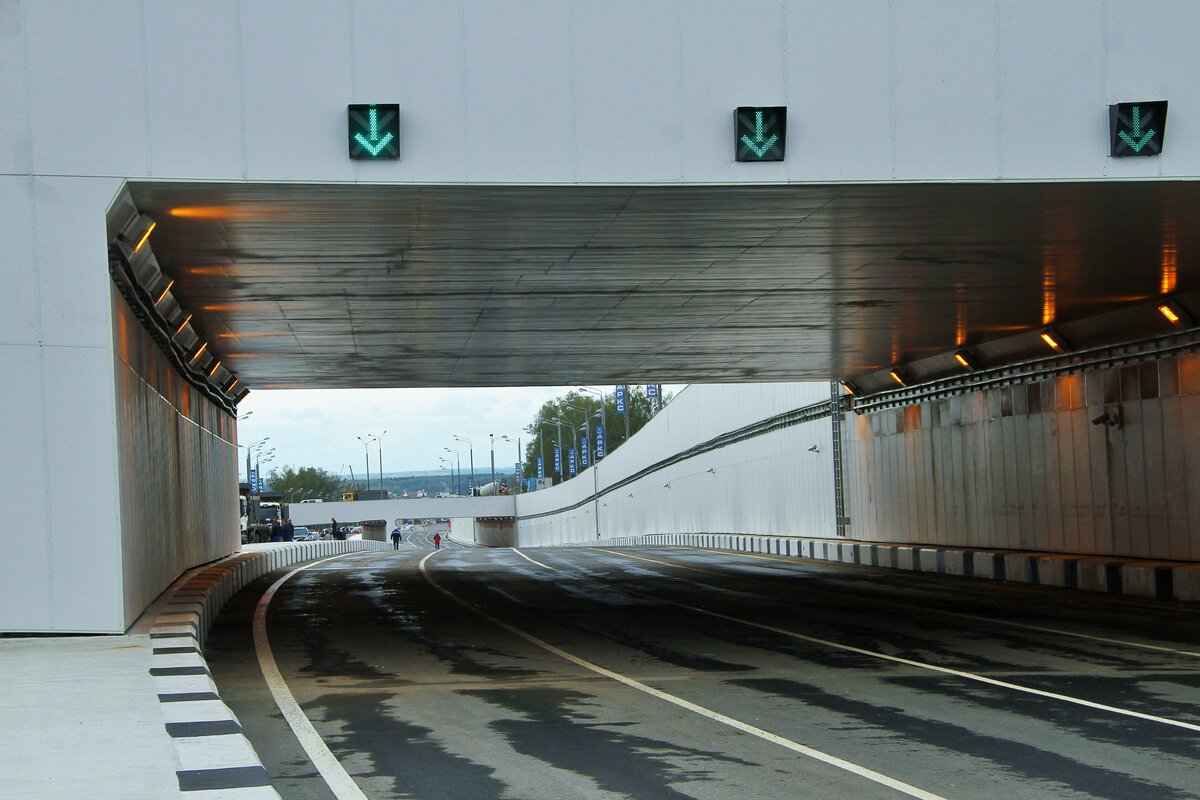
(177, 460)
(1024, 467)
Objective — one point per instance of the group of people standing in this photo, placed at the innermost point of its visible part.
(282, 531)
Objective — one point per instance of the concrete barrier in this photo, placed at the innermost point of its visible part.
(1159, 579)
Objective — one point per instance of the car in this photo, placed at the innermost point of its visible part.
(303, 535)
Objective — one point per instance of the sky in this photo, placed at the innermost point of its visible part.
(319, 427)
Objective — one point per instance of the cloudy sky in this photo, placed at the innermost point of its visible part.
(318, 428)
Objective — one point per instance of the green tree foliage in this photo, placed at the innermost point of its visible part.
(572, 409)
(305, 483)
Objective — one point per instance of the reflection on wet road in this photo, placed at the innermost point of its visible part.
(674, 673)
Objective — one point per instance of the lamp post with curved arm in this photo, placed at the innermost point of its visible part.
(520, 476)
(458, 480)
(603, 416)
(471, 452)
(367, 456)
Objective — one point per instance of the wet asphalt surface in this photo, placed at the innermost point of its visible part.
(420, 697)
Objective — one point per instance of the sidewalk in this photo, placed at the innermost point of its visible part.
(137, 716)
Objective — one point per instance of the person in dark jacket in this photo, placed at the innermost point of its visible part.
(276, 531)
(288, 530)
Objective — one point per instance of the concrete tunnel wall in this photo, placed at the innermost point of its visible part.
(772, 483)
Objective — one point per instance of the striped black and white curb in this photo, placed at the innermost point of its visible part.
(215, 759)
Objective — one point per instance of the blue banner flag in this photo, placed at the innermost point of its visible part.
(571, 461)
(652, 390)
(599, 442)
(621, 399)
(541, 467)
(557, 460)
(583, 452)
(262, 487)
(518, 473)
(252, 482)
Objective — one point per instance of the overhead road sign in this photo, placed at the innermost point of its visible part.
(373, 130)
(1137, 129)
(759, 133)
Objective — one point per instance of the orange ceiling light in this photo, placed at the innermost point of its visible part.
(965, 359)
(145, 236)
(254, 335)
(183, 324)
(897, 376)
(850, 388)
(228, 307)
(163, 296)
(203, 347)
(1053, 341)
(213, 371)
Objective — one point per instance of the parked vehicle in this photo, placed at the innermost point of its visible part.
(303, 535)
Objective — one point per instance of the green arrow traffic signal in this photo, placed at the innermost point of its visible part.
(374, 131)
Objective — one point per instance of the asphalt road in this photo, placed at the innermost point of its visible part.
(672, 673)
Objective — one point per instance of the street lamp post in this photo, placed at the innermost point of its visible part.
(471, 451)
(458, 480)
(587, 423)
(251, 515)
(603, 417)
(367, 457)
(574, 437)
(379, 438)
(519, 478)
(492, 447)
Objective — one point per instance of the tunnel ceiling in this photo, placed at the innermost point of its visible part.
(311, 286)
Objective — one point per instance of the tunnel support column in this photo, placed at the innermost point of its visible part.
(839, 494)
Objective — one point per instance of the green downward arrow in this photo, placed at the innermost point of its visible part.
(1137, 141)
(375, 145)
(758, 145)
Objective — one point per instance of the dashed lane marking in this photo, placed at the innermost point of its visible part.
(910, 607)
(796, 747)
(971, 676)
(335, 776)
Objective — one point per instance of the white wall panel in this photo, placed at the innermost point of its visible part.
(71, 254)
(519, 94)
(24, 581)
(944, 89)
(20, 321)
(836, 52)
(80, 448)
(297, 77)
(412, 54)
(732, 56)
(1152, 56)
(195, 89)
(770, 483)
(87, 87)
(1051, 82)
(615, 46)
(15, 153)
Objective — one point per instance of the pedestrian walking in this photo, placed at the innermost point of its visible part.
(276, 531)
(288, 530)
(437, 541)
(396, 537)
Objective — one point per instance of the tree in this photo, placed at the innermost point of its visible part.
(305, 483)
(582, 405)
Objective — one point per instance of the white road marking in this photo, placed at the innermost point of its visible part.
(336, 777)
(796, 747)
(971, 676)
(530, 560)
(958, 614)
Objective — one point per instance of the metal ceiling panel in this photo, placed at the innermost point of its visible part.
(365, 286)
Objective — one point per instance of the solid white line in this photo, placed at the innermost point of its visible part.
(796, 747)
(336, 777)
(958, 614)
(530, 560)
(971, 676)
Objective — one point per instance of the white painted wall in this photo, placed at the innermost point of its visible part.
(348, 513)
(770, 484)
(545, 91)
